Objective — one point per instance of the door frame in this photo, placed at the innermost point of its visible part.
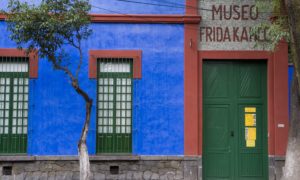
(277, 96)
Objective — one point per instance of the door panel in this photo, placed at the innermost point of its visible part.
(251, 162)
(216, 76)
(217, 128)
(233, 148)
(218, 144)
(249, 80)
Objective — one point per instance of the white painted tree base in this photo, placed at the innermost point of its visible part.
(84, 163)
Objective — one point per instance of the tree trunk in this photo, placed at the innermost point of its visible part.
(291, 171)
(293, 12)
(84, 161)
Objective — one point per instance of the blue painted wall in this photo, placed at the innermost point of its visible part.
(57, 112)
(125, 7)
(138, 6)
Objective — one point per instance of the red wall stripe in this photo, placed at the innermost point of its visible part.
(141, 18)
(192, 127)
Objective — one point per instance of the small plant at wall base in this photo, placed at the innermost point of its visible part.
(49, 27)
(286, 25)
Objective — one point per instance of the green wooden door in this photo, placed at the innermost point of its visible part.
(235, 120)
(114, 124)
(13, 112)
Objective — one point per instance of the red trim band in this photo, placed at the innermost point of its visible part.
(191, 104)
(135, 54)
(33, 59)
(191, 7)
(140, 18)
(146, 18)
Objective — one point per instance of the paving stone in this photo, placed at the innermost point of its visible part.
(44, 176)
(112, 177)
(51, 175)
(63, 175)
(32, 176)
(75, 176)
(19, 177)
(99, 176)
(6, 178)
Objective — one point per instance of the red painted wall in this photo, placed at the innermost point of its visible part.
(191, 103)
(277, 95)
(277, 88)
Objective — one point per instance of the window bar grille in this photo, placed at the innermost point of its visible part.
(114, 105)
(14, 82)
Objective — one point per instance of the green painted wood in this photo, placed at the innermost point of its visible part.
(14, 88)
(229, 87)
(114, 125)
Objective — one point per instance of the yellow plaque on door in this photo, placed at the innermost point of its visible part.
(250, 133)
(250, 119)
(250, 143)
(250, 109)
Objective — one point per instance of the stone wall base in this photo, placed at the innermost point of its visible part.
(275, 167)
(113, 168)
(103, 168)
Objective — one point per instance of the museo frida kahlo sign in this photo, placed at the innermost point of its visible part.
(237, 14)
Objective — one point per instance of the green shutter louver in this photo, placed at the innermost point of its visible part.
(14, 89)
(114, 105)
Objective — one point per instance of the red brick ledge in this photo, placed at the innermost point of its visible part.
(140, 18)
(146, 18)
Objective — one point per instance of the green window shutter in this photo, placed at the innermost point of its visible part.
(114, 107)
(14, 84)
